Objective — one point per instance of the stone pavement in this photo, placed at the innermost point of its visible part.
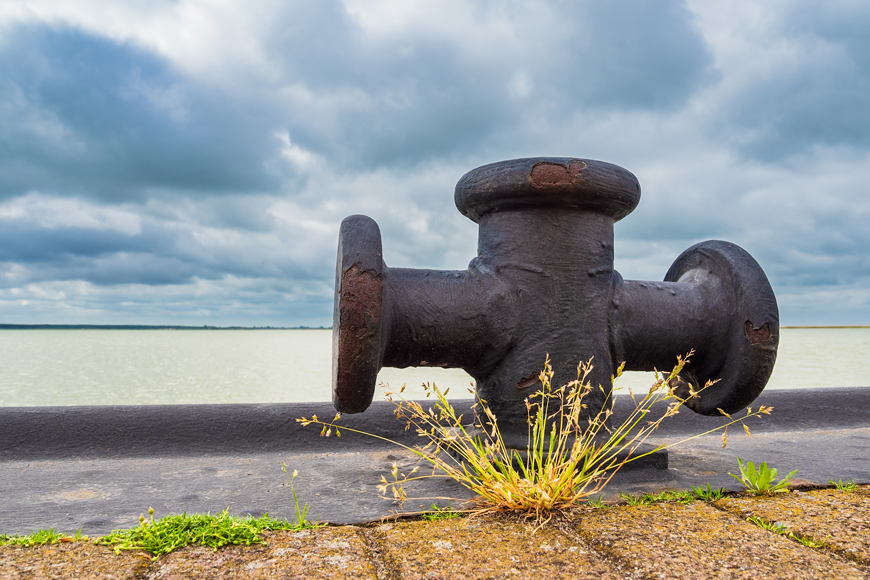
(814, 533)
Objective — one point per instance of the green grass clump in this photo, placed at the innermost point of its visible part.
(40, 538)
(570, 456)
(683, 497)
(436, 513)
(708, 493)
(171, 532)
(775, 527)
(847, 485)
(597, 503)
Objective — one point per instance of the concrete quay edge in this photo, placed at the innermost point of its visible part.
(33, 433)
(98, 468)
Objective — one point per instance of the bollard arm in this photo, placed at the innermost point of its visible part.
(715, 300)
(400, 317)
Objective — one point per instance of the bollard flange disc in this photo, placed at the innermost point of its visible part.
(744, 362)
(357, 315)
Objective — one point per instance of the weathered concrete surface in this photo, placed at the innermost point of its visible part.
(81, 560)
(480, 548)
(337, 553)
(670, 540)
(698, 541)
(840, 520)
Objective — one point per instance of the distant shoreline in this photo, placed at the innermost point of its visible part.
(828, 326)
(149, 327)
(204, 327)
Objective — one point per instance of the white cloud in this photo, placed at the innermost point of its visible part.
(203, 38)
(302, 160)
(52, 212)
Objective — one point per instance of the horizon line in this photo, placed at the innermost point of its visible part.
(4, 326)
(151, 327)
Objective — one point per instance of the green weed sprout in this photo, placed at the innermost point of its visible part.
(40, 537)
(761, 481)
(847, 485)
(708, 493)
(597, 503)
(778, 528)
(169, 533)
(775, 527)
(683, 497)
(437, 513)
(570, 456)
(301, 512)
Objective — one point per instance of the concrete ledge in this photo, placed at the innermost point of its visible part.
(98, 468)
(178, 430)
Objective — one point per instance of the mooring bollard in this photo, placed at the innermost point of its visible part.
(543, 283)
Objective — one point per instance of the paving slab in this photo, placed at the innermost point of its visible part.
(478, 548)
(337, 553)
(698, 541)
(81, 560)
(838, 518)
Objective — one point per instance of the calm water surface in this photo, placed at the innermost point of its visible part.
(141, 367)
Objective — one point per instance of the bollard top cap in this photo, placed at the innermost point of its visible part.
(539, 182)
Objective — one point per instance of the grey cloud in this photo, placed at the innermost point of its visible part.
(233, 301)
(818, 97)
(89, 116)
(161, 252)
(231, 226)
(418, 98)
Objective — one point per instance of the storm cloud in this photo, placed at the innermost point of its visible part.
(178, 162)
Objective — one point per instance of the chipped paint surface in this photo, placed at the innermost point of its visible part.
(759, 335)
(546, 173)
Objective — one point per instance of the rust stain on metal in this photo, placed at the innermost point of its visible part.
(528, 381)
(548, 174)
(359, 313)
(757, 335)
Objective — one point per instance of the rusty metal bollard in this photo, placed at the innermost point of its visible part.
(543, 283)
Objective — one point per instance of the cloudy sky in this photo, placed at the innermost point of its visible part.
(188, 162)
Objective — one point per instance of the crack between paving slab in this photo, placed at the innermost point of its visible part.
(833, 551)
(616, 563)
(385, 568)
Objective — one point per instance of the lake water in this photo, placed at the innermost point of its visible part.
(143, 367)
